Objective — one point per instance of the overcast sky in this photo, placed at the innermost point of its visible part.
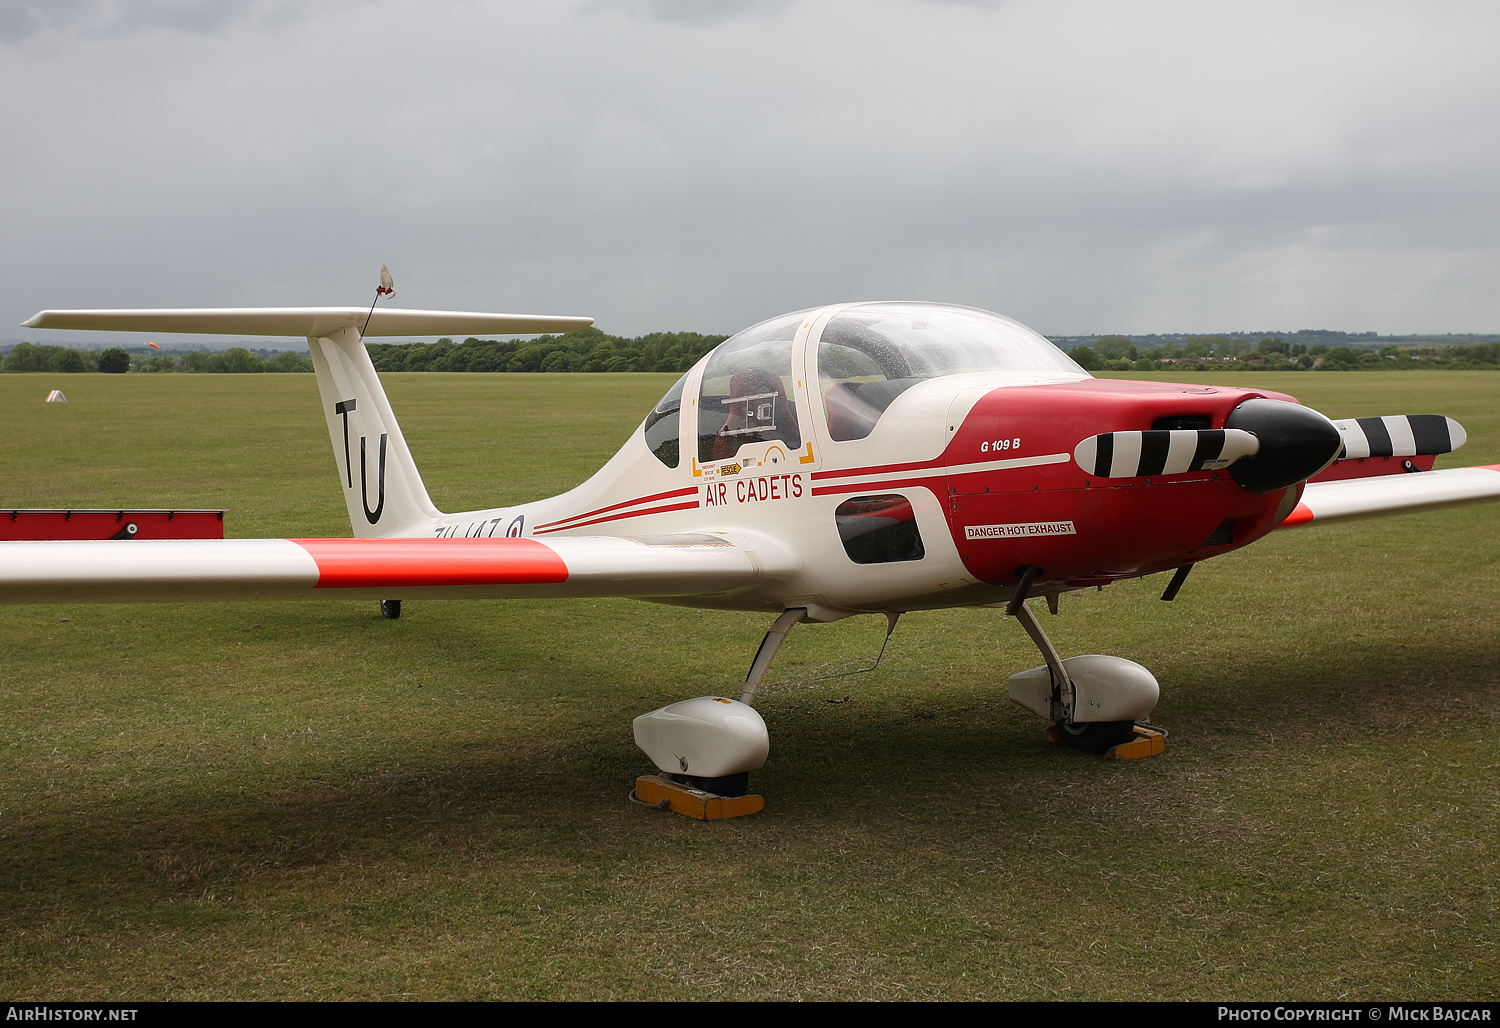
(700, 165)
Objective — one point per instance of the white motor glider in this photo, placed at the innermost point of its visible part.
(859, 458)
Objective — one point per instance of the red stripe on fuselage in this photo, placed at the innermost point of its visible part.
(392, 563)
(939, 463)
(933, 483)
(623, 516)
(616, 506)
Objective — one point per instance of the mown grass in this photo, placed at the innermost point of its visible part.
(303, 800)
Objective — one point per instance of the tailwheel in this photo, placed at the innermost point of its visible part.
(1095, 736)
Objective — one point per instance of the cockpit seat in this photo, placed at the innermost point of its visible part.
(758, 411)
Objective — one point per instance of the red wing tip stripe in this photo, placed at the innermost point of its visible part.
(1300, 515)
(623, 515)
(396, 563)
(625, 503)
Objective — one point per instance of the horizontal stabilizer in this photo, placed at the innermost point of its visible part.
(287, 569)
(306, 321)
(1394, 494)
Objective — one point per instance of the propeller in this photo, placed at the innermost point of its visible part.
(1402, 435)
(1265, 444)
(1163, 451)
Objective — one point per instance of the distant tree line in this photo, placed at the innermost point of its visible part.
(593, 350)
(26, 357)
(1305, 337)
(237, 360)
(1120, 353)
(585, 350)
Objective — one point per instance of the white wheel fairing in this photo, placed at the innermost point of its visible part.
(707, 737)
(1105, 689)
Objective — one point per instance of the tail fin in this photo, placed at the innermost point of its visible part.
(381, 485)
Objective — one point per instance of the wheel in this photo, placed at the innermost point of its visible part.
(1095, 736)
(390, 609)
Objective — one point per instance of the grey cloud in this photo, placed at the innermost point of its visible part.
(23, 19)
(978, 5)
(20, 19)
(1080, 166)
(690, 12)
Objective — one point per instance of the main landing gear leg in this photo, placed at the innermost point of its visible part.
(1063, 695)
(767, 652)
(707, 747)
(1108, 686)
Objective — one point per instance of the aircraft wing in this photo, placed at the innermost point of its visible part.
(306, 321)
(1394, 494)
(250, 569)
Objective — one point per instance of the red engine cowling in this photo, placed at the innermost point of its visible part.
(1039, 507)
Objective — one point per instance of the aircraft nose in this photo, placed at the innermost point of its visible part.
(1296, 443)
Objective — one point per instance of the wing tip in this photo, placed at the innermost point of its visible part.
(1301, 515)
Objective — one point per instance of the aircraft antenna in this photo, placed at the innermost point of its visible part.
(387, 287)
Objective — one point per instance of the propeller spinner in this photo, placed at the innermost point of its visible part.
(1296, 442)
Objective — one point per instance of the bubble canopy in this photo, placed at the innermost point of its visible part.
(871, 353)
(928, 340)
(867, 355)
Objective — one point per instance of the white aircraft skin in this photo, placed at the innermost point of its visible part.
(989, 480)
(772, 508)
(769, 507)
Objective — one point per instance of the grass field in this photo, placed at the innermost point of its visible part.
(305, 801)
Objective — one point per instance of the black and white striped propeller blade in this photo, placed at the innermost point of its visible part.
(1403, 435)
(1163, 451)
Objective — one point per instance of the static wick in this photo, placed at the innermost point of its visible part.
(387, 287)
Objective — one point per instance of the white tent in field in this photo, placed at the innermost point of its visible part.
(56, 396)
